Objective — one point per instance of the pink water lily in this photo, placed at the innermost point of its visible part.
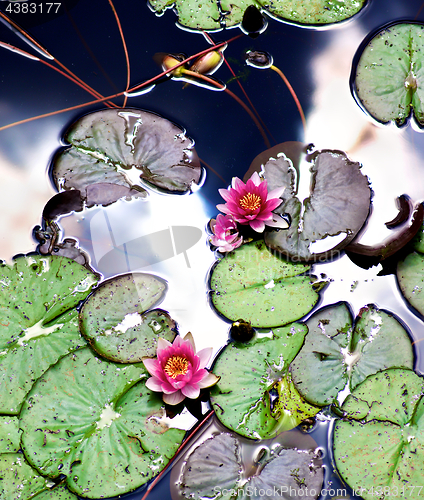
(178, 371)
(225, 233)
(251, 203)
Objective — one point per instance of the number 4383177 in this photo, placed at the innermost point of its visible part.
(33, 8)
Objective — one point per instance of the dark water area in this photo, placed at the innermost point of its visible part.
(317, 62)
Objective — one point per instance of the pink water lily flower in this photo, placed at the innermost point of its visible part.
(178, 371)
(225, 233)
(251, 203)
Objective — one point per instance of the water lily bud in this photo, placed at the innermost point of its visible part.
(169, 61)
(208, 63)
(259, 59)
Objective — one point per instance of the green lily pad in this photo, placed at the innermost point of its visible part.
(39, 321)
(115, 322)
(9, 434)
(128, 148)
(388, 78)
(90, 419)
(213, 15)
(241, 399)
(410, 276)
(379, 446)
(59, 492)
(254, 284)
(336, 355)
(330, 218)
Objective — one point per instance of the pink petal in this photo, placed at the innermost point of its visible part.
(208, 381)
(278, 222)
(204, 356)
(198, 376)
(189, 338)
(224, 209)
(163, 344)
(168, 388)
(255, 179)
(238, 184)
(154, 384)
(271, 204)
(276, 193)
(191, 391)
(257, 225)
(225, 194)
(173, 399)
(152, 366)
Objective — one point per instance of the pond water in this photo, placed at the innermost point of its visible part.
(317, 62)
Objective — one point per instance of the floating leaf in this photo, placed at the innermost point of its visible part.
(254, 284)
(331, 217)
(213, 15)
(389, 72)
(59, 492)
(217, 457)
(380, 442)
(39, 321)
(410, 275)
(114, 321)
(9, 435)
(334, 355)
(89, 419)
(115, 152)
(248, 372)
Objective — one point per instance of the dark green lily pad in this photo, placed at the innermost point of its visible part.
(410, 276)
(9, 434)
(335, 354)
(39, 322)
(241, 399)
(115, 322)
(254, 284)
(213, 15)
(90, 419)
(215, 466)
(388, 78)
(330, 218)
(115, 152)
(379, 446)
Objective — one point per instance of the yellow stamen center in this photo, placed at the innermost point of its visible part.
(250, 201)
(176, 365)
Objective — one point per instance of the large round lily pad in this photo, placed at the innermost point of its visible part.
(379, 446)
(115, 152)
(115, 322)
(9, 434)
(38, 295)
(96, 422)
(410, 275)
(213, 15)
(335, 354)
(241, 399)
(330, 218)
(388, 78)
(254, 284)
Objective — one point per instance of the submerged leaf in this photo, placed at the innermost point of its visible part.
(91, 420)
(380, 442)
(39, 320)
(115, 152)
(388, 78)
(254, 284)
(213, 15)
(335, 354)
(217, 457)
(331, 217)
(248, 372)
(115, 322)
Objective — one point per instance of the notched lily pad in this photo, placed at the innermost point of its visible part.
(388, 71)
(331, 217)
(115, 153)
(336, 354)
(96, 422)
(379, 445)
(249, 372)
(38, 297)
(254, 284)
(213, 15)
(115, 322)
